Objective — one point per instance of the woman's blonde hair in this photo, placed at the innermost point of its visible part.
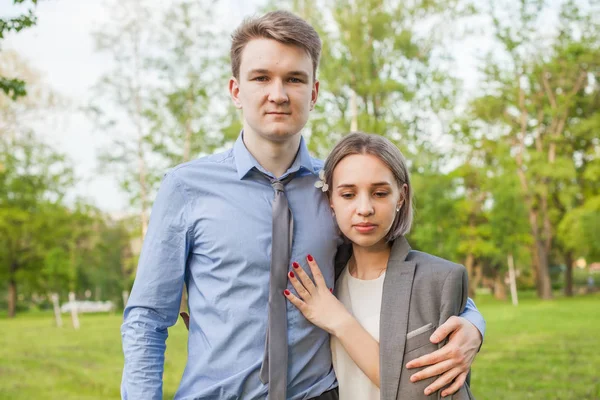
(390, 155)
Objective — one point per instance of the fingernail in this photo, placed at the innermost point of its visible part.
(331, 290)
(295, 265)
(286, 292)
(309, 257)
(427, 391)
(412, 378)
(291, 274)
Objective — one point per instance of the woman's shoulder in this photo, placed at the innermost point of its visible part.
(429, 263)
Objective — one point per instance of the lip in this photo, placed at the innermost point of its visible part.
(365, 227)
(278, 113)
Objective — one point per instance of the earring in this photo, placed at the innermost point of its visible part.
(397, 209)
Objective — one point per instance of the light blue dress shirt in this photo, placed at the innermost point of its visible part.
(211, 228)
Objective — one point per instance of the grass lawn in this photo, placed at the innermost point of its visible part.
(539, 350)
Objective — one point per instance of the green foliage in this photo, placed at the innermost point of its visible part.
(191, 67)
(13, 87)
(45, 245)
(579, 230)
(538, 104)
(378, 73)
(436, 225)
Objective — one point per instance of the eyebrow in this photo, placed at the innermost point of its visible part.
(350, 185)
(257, 71)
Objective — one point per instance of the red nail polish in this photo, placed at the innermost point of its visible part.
(295, 264)
(309, 257)
(331, 290)
(291, 274)
(286, 292)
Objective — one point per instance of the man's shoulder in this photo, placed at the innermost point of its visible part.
(203, 166)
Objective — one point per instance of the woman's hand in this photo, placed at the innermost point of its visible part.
(316, 301)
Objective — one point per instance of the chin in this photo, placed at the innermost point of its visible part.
(365, 241)
(282, 133)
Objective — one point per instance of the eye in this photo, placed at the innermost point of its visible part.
(346, 195)
(381, 194)
(260, 79)
(296, 80)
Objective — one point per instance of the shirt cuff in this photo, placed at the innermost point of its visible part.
(472, 314)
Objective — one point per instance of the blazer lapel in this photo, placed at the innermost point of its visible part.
(393, 323)
(344, 252)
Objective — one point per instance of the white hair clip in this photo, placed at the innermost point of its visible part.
(320, 184)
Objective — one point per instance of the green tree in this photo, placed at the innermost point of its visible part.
(33, 182)
(380, 71)
(531, 97)
(15, 87)
(186, 114)
(121, 99)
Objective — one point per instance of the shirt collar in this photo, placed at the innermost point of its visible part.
(244, 161)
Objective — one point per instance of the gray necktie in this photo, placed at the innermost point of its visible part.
(274, 367)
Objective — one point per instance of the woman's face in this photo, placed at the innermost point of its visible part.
(364, 198)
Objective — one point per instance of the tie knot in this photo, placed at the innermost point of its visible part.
(277, 186)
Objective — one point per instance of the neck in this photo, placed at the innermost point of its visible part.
(275, 157)
(369, 262)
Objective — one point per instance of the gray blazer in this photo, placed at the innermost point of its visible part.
(420, 292)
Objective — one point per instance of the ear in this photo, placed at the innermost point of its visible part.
(403, 192)
(234, 92)
(314, 95)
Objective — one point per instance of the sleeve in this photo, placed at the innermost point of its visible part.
(156, 294)
(458, 278)
(454, 294)
(472, 314)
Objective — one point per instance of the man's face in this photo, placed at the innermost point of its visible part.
(275, 90)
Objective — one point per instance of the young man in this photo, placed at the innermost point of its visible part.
(213, 226)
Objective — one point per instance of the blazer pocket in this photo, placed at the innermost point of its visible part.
(419, 337)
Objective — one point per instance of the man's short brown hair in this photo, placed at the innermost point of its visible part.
(282, 26)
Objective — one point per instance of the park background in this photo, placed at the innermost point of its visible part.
(496, 105)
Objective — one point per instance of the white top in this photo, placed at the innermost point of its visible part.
(363, 300)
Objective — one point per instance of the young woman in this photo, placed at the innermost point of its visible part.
(390, 299)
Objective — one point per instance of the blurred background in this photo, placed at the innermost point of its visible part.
(495, 103)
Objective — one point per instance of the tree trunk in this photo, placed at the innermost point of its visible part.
(74, 311)
(569, 274)
(12, 297)
(544, 288)
(12, 291)
(499, 287)
(56, 308)
(512, 276)
(354, 109)
(470, 266)
(544, 285)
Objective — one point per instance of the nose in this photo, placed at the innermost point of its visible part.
(364, 208)
(277, 93)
